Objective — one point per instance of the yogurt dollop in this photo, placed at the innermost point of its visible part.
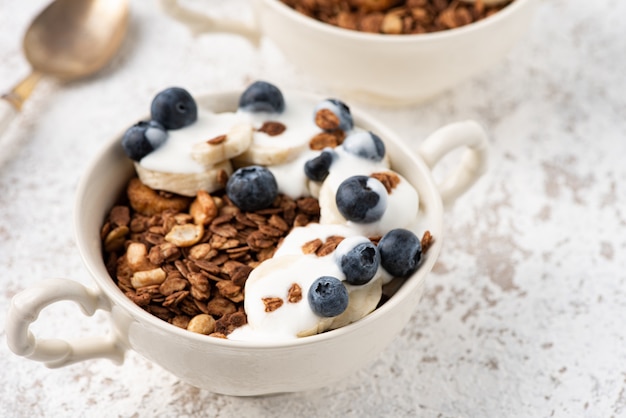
(275, 280)
(174, 155)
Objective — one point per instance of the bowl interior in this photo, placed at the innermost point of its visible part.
(105, 181)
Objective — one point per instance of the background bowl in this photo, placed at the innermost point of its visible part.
(377, 68)
(392, 69)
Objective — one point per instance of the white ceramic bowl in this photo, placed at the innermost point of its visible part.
(384, 69)
(225, 366)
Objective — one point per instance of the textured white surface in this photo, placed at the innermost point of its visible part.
(523, 315)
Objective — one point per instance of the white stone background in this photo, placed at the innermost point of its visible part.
(524, 312)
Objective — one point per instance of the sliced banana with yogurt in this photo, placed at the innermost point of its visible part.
(223, 147)
(275, 310)
(279, 137)
(186, 184)
(363, 300)
(403, 200)
(263, 152)
(182, 165)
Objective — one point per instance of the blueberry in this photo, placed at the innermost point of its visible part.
(328, 296)
(341, 112)
(174, 108)
(365, 145)
(361, 199)
(359, 262)
(252, 188)
(142, 138)
(317, 168)
(262, 96)
(400, 252)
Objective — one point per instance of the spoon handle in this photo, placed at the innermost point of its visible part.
(11, 102)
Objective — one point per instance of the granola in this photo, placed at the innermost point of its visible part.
(389, 179)
(186, 264)
(395, 17)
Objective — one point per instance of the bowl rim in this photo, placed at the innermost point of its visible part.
(95, 265)
(507, 12)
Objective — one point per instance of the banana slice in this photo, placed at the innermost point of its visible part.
(322, 325)
(269, 151)
(224, 147)
(186, 184)
(363, 300)
(279, 138)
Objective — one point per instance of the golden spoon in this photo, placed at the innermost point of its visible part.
(68, 40)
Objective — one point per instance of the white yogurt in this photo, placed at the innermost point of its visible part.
(290, 176)
(275, 277)
(297, 118)
(402, 202)
(174, 156)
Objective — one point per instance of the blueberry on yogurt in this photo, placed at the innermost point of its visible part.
(328, 296)
(365, 145)
(358, 261)
(317, 168)
(252, 188)
(361, 199)
(262, 96)
(333, 114)
(142, 138)
(174, 108)
(400, 252)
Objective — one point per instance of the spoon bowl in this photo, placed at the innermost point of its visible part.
(75, 38)
(69, 39)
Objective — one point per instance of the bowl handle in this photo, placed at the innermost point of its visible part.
(201, 23)
(469, 134)
(25, 308)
